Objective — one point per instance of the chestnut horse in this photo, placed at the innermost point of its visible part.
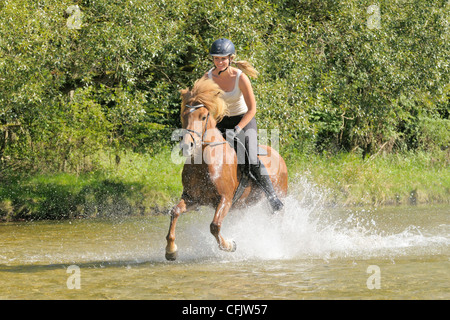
(210, 174)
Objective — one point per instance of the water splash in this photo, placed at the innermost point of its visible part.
(310, 230)
(307, 230)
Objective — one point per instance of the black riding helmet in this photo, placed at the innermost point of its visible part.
(222, 48)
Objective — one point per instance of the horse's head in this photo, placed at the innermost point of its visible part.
(200, 109)
(195, 119)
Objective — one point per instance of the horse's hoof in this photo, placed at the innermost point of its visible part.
(172, 256)
(171, 252)
(231, 246)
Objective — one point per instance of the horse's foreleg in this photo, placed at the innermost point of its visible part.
(171, 248)
(221, 211)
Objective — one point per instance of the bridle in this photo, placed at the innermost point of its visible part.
(199, 134)
(203, 136)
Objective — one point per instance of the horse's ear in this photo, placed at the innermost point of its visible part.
(185, 94)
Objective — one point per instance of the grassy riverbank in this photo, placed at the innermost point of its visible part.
(394, 179)
(139, 185)
(144, 185)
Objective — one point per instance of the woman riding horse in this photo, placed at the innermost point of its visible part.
(215, 180)
(240, 123)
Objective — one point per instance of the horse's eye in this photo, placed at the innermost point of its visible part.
(203, 118)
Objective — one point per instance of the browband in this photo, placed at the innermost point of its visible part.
(193, 108)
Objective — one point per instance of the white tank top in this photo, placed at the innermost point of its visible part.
(234, 99)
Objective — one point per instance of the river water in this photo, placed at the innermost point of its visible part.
(311, 252)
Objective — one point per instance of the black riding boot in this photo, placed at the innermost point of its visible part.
(261, 177)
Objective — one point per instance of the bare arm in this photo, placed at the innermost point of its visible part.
(247, 91)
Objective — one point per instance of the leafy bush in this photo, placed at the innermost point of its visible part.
(334, 75)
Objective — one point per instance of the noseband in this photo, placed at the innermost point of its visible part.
(199, 134)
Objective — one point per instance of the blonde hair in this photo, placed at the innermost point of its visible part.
(245, 66)
(208, 93)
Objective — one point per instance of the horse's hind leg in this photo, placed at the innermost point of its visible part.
(171, 248)
(221, 212)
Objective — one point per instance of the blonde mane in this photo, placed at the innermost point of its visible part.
(208, 93)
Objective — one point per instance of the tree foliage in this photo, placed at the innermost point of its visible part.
(79, 76)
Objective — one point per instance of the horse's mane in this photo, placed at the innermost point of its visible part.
(208, 93)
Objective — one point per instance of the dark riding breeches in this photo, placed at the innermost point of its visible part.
(248, 138)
